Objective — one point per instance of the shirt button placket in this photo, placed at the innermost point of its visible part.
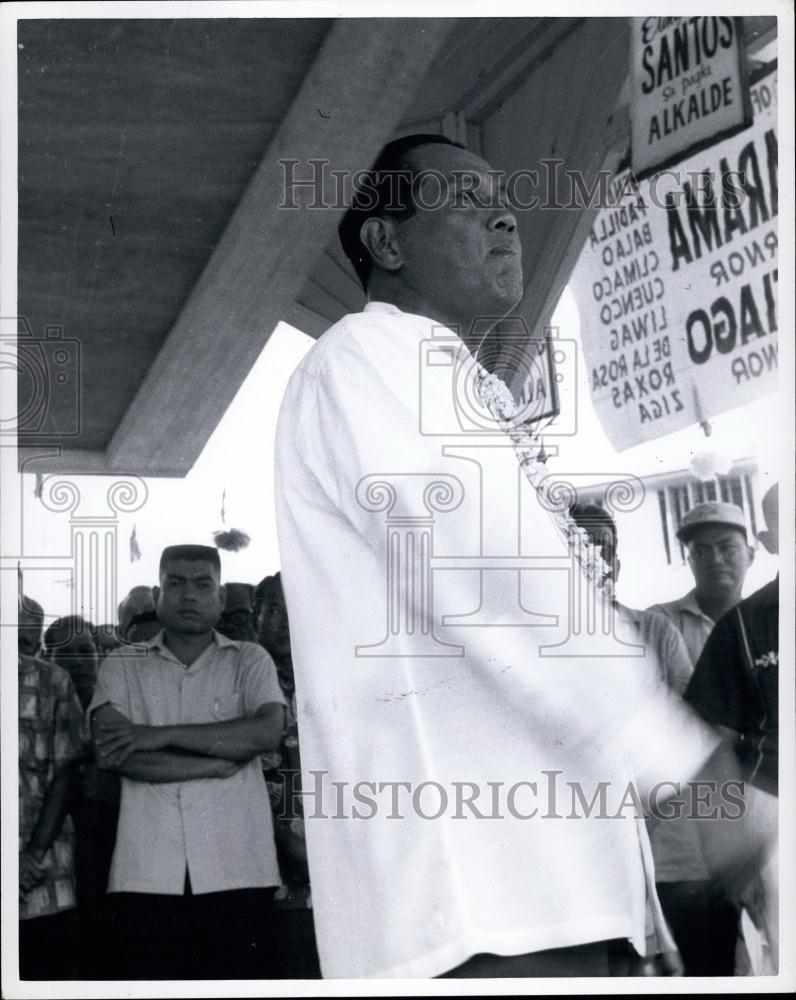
(184, 692)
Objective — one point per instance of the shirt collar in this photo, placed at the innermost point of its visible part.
(449, 340)
(383, 307)
(690, 604)
(158, 642)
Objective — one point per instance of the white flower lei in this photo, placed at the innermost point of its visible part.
(529, 448)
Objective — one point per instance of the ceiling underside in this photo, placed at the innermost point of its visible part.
(151, 243)
(136, 142)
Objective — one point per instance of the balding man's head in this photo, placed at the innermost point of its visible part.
(138, 601)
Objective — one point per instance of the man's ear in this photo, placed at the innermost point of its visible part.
(222, 593)
(156, 595)
(381, 241)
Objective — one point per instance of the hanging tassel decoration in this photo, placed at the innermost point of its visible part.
(232, 540)
(135, 548)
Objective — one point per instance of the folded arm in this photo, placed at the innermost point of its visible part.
(238, 740)
(153, 765)
(162, 766)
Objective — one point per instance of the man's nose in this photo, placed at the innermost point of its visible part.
(503, 220)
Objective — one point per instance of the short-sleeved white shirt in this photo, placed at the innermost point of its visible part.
(677, 847)
(416, 896)
(220, 830)
(687, 616)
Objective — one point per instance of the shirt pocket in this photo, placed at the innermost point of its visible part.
(226, 707)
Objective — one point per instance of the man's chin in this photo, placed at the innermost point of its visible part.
(508, 297)
(189, 626)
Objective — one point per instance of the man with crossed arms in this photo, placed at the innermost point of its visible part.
(184, 723)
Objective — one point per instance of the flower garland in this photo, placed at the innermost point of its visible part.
(529, 448)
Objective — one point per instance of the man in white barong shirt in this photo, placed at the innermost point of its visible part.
(448, 763)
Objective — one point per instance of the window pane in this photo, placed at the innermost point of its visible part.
(751, 510)
(736, 493)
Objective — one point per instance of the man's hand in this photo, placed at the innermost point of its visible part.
(117, 740)
(233, 739)
(30, 873)
(226, 768)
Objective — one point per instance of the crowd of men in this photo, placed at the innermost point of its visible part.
(172, 847)
(176, 849)
(203, 872)
(721, 653)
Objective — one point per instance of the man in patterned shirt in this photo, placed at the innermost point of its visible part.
(52, 736)
(30, 621)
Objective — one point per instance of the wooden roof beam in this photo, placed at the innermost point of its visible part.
(349, 104)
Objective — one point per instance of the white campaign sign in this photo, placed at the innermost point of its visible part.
(677, 286)
(688, 87)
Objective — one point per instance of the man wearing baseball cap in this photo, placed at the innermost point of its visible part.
(719, 557)
(703, 921)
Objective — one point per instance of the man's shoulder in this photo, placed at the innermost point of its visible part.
(672, 609)
(129, 659)
(360, 338)
(364, 357)
(655, 626)
(31, 664)
(242, 648)
(39, 672)
(667, 609)
(656, 620)
(128, 653)
(652, 614)
(247, 655)
(340, 338)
